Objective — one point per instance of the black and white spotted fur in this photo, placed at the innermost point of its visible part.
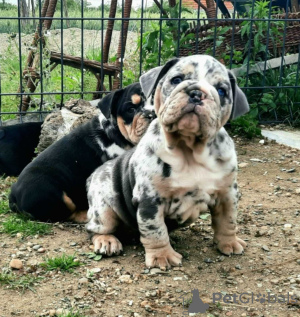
(185, 163)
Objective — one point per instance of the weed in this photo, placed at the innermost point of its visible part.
(63, 263)
(17, 282)
(18, 223)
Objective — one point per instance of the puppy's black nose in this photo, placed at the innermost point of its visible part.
(149, 114)
(195, 96)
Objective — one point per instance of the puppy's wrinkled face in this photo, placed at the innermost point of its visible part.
(133, 114)
(195, 97)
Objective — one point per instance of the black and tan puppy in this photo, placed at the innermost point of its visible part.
(52, 187)
(17, 145)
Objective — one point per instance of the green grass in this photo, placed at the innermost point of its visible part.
(64, 263)
(16, 223)
(20, 283)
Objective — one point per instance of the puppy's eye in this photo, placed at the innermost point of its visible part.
(176, 80)
(131, 110)
(221, 92)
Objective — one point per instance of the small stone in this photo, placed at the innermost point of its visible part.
(36, 247)
(130, 303)
(125, 279)
(287, 226)
(16, 264)
(208, 260)
(221, 258)
(292, 170)
(298, 261)
(238, 266)
(256, 160)
(73, 244)
(19, 235)
(83, 280)
(275, 281)
(297, 191)
(265, 248)
(261, 142)
(157, 271)
(146, 271)
(243, 164)
(41, 250)
(52, 312)
(95, 270)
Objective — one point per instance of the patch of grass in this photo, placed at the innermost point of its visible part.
(21, 224)
(63, 263)
(20, 283)
(4, 207)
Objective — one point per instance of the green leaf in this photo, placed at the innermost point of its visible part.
(98, 257)
(204, 216)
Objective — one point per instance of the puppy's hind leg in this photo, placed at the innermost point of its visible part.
(102, 222)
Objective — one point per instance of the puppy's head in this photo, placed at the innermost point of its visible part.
(194, 96)
(128, 109)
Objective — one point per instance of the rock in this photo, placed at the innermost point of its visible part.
(125, 279)
(36, 247)
(243, 164)
(61, 122)
(208, 260)
(16, 264)
(41, 250)
(292, 170)
(95, 270)
(52, 312)
(157, 271)
(261, 142)
(256, 160)
(83, 280)
(297, 191)
(275, 281)
(265, 248)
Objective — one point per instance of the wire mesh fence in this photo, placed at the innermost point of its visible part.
(52, 50)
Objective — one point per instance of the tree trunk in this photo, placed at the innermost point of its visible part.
(172, 3)
(33, 12)
(24, 12)
(109, 30)
(66, 13)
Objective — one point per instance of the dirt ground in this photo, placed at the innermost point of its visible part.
(269, 270)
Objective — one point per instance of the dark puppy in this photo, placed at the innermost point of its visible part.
(185, 164)
(52, 187)
(17, 145)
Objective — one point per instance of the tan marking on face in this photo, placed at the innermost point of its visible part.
(133, 132)
(136, 99)
(69, 203)
(188, 69)
(79, 216)
(157, 100)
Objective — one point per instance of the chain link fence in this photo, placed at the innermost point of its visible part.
(52, 50)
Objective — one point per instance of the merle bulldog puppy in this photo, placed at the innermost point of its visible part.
(17, 146)
(185, 163)
(53, 186)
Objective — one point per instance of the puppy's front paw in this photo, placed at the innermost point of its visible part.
(230, 245)
(164, 257)
(107, 244)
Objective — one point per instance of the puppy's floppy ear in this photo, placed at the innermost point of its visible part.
(150, 79)
(240, 103)
(109, 102)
